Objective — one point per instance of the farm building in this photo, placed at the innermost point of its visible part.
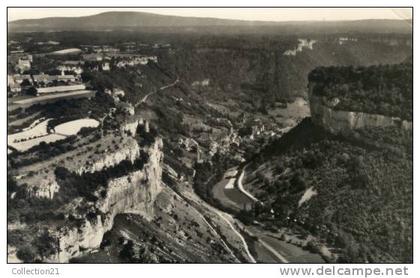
(59, 89)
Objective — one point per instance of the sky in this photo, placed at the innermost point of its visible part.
(263, 14)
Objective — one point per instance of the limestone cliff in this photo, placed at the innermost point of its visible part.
(109, 159)
(45, 188)
(323, 113)
(131, 125)
(133, 193)
(40, 180)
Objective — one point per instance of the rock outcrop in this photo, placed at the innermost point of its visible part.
(133, 193)
(130, 127)
(302, 43)
(46, 188)
(335, 121)
(108, 159)
(39, 178)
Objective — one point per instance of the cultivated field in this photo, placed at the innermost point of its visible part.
(73, 127)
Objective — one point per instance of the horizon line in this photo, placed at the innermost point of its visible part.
(397, 17)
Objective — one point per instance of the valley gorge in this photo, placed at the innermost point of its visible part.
(315, 125)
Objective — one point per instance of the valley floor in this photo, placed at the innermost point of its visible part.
(266, 246)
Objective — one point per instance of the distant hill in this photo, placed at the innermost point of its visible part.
(110, 21)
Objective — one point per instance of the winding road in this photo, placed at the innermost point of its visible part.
(144, 99)
(266, 247)
(220, 214)
(212, 228)
(241, 186)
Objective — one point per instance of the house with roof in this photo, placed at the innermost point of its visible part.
(93, 57)
(77, 69)
(45, 80)
(23, 64)
(13, 87)
(60, 89)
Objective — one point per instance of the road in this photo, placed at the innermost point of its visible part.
(224, 218)
(241, 186)
(266, 247)
(273, 251)
(144, 99)
(194, 205)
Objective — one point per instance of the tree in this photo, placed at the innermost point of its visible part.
(45, 244)
(25, 83)
(127, 252)
(32, 91)
(298, 182)
(26, 254)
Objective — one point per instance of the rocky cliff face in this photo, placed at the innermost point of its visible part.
(43, 184)
(346, 122)
(281, 70)
(130, 153)
(134, 193)
(46, 188)
(130, 127)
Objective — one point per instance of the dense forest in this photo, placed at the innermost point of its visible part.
(383, 89)
(363, 193)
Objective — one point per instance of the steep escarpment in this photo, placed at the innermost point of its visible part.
(345, 122)
(131, 193)
(130, 153)
(278, 68)
(343, 176)
(345, 100)
(80, 155)
(57, 227)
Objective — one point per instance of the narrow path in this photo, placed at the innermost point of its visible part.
(144, 99)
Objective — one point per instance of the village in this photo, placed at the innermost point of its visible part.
(51, 73)
(60, 71)
(41, 78)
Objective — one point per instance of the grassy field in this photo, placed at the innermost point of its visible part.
(28, 102)
(73, 127)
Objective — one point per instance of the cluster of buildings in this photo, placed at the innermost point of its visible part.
(125, 47)
(89, 48)
(36, 84)
(134, 61)
(71, 66)
(42, 84)
(343, 40)
(118, 94)
(65, 75)
(103, 61)
(15, 81)
(20, 61)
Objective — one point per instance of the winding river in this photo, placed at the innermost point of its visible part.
(265, 246)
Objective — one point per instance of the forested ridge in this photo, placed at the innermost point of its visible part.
(363, 193)
(379, 89)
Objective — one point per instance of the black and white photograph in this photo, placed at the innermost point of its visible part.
(209, 135)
